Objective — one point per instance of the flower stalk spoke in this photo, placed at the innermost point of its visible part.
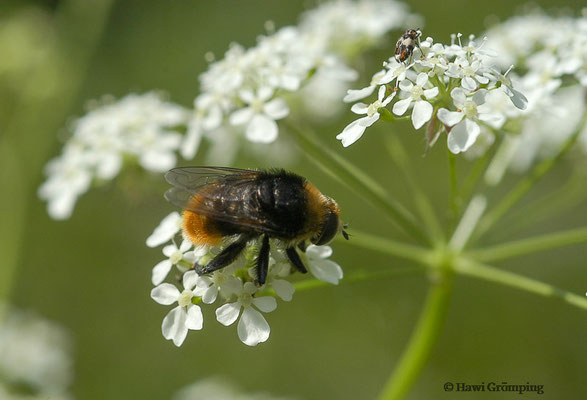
(341, 169)
(488, 273)
(530, 245)
(516, 194)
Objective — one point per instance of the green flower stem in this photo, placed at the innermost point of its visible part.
(549, 206)
(388, 246)
(454, 196)
(342, 170)
(514, 195)
(357, 276)
(467, 224)
(401, 158)
(423, 339)
(475, 173)
(530, 245)
(44, 100)
(481, 271)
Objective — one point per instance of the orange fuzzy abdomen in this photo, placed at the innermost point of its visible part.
(200, 229)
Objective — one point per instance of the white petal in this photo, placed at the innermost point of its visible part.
(230, 286)
(169, 250)
(174, 326)
(213, 119)
(61, 206)
(368, 121)
(450, 118)
(157, 161)
(252, 327)
(247, 95)
(519, 100)
(479, 96)
(422, 79)
(388, 99)
(195, 320)
(261, 129)
(469, 83)
(168, 227)
(459, 97)
(406, 85)
(191, 142)
(190, 257)
(421, 113)
(210, 294)
(190, 279)
(401, 106)
(351, 133)
(228, 313)
(290, 82)
(165, 294)
(319, 252)
(460, 139)
(494, 120)
(160, 272)
(326, 270)
(250, 287)
(264, 93)
(185, 245)
(265, 303)
(359, 108)
(284, 289)
(430, 93)
(381, 92)
(482, 79)
(354, 95)
(276, 109)
(241, 116)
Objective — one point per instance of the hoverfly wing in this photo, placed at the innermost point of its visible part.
(194, 178)
(179, 197)
(183, 197)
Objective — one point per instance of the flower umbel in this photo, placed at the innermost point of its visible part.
(443, 74)
(233, 285)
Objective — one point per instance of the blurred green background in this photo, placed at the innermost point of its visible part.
(91, 273)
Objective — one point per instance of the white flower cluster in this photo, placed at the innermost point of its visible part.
(139, 127)
(245, 92)
(551, 58)
(453, 84)
(34, 357)
(232, 284)
(248, 87)
(217, 388)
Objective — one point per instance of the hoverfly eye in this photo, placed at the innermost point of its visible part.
(329, 230)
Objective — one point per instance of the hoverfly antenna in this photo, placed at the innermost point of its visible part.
(345, 235)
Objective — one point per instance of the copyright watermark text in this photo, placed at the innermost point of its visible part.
(493, 387)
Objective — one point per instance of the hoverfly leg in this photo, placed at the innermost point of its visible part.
(263, 262)
(302, 246)
(225, 257)
(295, 259)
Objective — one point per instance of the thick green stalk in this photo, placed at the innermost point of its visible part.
(485, 272)
(422, 341)
(342, 170)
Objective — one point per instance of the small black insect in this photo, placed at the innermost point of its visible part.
(222, 204)
(404, 48)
